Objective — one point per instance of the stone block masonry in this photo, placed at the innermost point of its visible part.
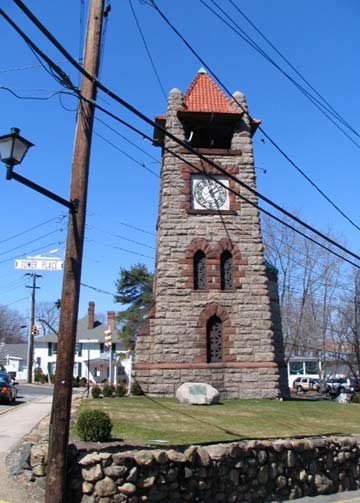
(208, 325)
(239, 472)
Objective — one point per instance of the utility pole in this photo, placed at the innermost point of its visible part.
(61, 407)
(30, 353)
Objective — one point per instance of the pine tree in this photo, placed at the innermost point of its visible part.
(135, 290)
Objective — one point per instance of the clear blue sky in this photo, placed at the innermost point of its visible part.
(320, 38)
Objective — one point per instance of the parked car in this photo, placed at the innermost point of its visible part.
(8, 390)
(337, 385)
(306, 384)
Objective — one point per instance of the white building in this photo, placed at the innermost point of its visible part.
(92, 358)
(303, 366)
(13, 358)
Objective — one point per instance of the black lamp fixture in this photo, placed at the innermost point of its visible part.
(13, 149)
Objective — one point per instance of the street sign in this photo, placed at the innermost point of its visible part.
(42, 263)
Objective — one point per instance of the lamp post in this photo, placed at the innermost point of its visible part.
(13, 149)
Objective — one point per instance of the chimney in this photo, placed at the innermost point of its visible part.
(91, 315)
(111, 320)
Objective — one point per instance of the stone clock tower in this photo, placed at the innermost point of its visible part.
(215, 317)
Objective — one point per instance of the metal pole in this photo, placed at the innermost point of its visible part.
(56, 488)
(88, 373)
(32, 323)
(110, 355)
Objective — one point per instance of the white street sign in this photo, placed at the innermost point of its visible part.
(44, 264)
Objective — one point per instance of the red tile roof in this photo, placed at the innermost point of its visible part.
(203, 95)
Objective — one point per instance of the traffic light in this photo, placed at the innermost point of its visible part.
(108, 338)
(34, 330)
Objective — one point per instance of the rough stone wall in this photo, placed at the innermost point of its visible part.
(240, 472)
(173, 348)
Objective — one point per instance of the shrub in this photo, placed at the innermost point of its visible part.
(108, 390)
(38, 375)
(95, 391)
(52, 378)
(355, 398)
(136, 389)
(94, 426)
(82, 382)
(121, 389)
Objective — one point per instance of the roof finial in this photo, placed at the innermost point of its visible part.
(202, 70)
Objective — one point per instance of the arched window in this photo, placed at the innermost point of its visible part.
(214, 339)
(199, 270)
(226, 271)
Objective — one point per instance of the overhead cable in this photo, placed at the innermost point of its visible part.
(146, 119)
(277, 147)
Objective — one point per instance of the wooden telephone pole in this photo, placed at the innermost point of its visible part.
(61, 407)
(30, 352)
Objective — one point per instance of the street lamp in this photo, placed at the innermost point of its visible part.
(13, 148)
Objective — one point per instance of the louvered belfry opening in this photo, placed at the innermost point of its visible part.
(214, 340)
(226, 270)
(199, 270)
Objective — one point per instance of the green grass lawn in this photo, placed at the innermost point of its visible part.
(143, 419)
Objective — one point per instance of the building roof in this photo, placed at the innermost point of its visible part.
(203, 95)
(14, 350)
(84, 333)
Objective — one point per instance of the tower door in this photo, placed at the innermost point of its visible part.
(214, 340)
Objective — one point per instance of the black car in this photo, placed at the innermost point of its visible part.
(8, 389)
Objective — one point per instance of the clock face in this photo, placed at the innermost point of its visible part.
(208, 194)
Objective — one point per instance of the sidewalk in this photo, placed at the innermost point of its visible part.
(14, 425)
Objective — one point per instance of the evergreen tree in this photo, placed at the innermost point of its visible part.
(135, 290)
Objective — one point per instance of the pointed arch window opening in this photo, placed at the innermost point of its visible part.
(214, 337)
(199, 270)
(226, 270)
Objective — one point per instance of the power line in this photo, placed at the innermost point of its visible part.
(277, 147)
(142, 164)
(81, 29)
(324, 109)
(33, 251)
(27, 67)
(127, 139)
(119, 237)
(99, 290)
(31, 241)
(305, 80)
(107, 10)
(115, 97)
(136, 228)
(37, 98)
(30, 229)
(121, 249)
(147, 50)
(279, 208)
(15, 301)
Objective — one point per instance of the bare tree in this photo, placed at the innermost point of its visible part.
(346, 340)
(47, 315)
(13, 326)
(309, 285)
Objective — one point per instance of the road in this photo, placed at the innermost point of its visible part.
(27, 392)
